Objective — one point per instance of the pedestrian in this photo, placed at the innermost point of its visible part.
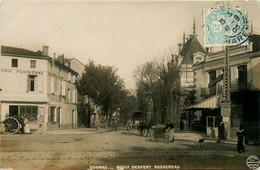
(129, 125)
(114, 123)
(241, 139)
(26, 126)
(181, 125)
(221, 130)
(170, 129)
(21, 121)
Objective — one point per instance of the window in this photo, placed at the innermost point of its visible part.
(52, 114)
(52, 85)
(212, 78)
(14, 62)
(68, 95)
(73, 79)
(30, 112)
(69, 76)
(242, 77)
(32, 83)
(33, 63)
(13, 111)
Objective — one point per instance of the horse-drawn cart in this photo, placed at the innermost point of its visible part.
(158, 131)
(10, 125)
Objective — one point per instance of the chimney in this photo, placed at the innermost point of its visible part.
(54, 55)
(45, 50)
(61, 58)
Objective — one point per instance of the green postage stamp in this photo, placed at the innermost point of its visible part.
(225, 26)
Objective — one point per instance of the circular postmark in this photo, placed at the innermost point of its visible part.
(226, 26)
(253, 162)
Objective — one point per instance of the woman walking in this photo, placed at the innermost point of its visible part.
(241, 139)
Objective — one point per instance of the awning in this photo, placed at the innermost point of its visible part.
(209, 103)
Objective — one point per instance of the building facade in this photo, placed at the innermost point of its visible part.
(89, 114)
(38, 87)
(245, 88)
(187, 49)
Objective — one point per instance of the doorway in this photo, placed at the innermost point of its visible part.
(13, 111)
(58, 116)
(73, 119)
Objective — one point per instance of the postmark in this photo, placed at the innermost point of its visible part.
(253, 162)
(225, 26)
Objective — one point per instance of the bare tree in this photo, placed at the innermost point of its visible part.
(159, 81)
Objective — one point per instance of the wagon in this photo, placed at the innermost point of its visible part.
(158, 131)
(10, 125)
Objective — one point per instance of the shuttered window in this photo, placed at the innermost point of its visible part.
(63, 92)
(40, 84)
(52, 85)
(74, 96)
(32, 84)
(69, 96)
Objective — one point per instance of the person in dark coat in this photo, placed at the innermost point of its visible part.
(170, 129)
(221, 131)
(21, 121)
(241, 139)
(181, 125)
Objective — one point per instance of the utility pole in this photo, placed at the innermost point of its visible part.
(226, 102)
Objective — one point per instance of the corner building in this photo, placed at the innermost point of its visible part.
(38, 87)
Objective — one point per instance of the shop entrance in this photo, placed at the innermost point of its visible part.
(13, 111)
(212, 126)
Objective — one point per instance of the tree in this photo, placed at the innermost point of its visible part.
(159, 81)
(147, 78)
(170, 76)
(103, 86)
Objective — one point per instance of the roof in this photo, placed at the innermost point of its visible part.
(19, 51)
(190, 47)
(70, 59)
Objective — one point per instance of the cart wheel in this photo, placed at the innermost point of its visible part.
(11, 125)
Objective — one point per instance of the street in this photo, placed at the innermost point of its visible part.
(82, 148)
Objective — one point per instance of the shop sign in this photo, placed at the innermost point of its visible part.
(19, 71)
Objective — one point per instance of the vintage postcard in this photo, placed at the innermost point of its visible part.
(124, 85)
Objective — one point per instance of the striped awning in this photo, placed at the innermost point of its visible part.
(209, 103)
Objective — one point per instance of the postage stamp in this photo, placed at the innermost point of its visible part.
(225, 26)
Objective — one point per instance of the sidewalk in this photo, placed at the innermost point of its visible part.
(196, 136)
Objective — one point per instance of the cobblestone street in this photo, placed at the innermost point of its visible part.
(82, 148)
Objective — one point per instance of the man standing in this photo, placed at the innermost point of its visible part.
(181, 125)
(221, 130)
(170, 129)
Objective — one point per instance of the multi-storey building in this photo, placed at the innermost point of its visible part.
(186, 60)
(245, 87)
(89, 113)
(38, 87)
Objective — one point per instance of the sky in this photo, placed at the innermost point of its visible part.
(122, 34)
